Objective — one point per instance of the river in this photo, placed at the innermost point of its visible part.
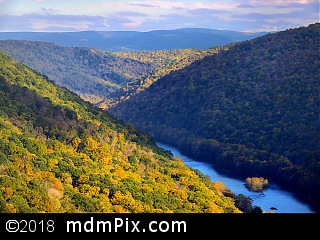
(272, 197)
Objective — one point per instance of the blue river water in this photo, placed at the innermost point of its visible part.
(271, 199)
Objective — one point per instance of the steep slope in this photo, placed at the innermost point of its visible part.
(102, 78)
(252, 110)
(164, 62)
(135, 41)
(59, 153)
(92, 74)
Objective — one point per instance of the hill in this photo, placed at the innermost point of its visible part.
(251, 110)
(61, 154)
(92, 74)
(100, 77)
(131, 40)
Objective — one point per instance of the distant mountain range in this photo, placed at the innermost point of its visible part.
(199, 38)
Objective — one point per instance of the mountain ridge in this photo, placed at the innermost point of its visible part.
(199, 38)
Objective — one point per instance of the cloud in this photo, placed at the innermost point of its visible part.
(131, 14)
(39, 22)
(297, 10)
(245, 5)
(295, 14)
(49, 10)
(159, 14)
(15, 23)
(131, 25)
(144, 5)
(275, 3)
(175, 21)
(166, 4)
(206, 11)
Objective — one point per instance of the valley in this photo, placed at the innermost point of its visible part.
(248, 107)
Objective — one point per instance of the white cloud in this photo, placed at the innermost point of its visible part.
(149, 15)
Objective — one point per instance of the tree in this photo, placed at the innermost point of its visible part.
(256, 183)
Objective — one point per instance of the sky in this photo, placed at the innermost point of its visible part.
(138, 15)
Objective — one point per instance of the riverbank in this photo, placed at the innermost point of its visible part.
(272, 199)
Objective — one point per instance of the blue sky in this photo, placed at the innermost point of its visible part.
(137, 15)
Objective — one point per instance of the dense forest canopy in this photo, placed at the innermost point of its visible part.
(90, 73)
(101, 77)
(251, 109)
(61, 154)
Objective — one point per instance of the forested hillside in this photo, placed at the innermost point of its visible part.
(61, 154)
(165, 62)
(92, 74)
(251, 110)
(100, 77)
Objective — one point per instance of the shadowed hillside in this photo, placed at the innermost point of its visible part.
(100, 77)
(252, 110)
